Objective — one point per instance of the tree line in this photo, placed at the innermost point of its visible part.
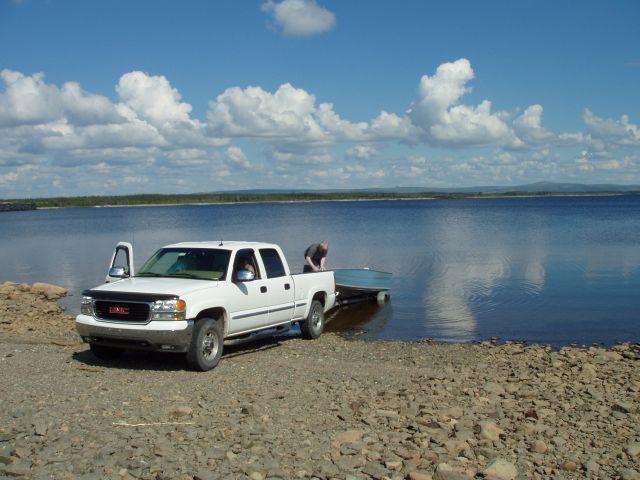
(197, 198)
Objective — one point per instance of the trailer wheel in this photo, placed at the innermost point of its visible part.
(206, 344)
(313, 326)
(103, 352)
(382, 297)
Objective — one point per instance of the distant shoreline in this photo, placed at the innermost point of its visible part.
(355, 199)
(248, 202)
(235, 199)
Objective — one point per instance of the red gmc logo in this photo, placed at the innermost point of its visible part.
(119, 310)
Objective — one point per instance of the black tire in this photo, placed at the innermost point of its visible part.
(206, 344)
(103, 352)
(313, 326)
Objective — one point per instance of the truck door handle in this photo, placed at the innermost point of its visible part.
(287, 286)
(263, 289)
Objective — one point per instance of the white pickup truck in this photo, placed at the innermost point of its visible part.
(191, 297)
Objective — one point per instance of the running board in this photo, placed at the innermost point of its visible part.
(266, 332)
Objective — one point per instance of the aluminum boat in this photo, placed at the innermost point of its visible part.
(360, 282)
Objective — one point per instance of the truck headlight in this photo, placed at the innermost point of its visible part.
(168, 310)
(86, 307)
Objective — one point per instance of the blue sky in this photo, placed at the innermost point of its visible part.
(513, 92)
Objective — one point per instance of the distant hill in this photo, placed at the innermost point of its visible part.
(537, 187)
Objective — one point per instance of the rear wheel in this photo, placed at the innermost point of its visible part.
(206, 344)
(313, 326)
(105, 353)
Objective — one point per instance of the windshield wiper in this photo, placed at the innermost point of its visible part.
(186, 275)
(177, 274)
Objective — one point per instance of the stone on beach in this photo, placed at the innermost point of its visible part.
(331, 408)
(490, 431)
(51, 292)
(501, 469)
(181, 411)
(538, 446)
(632, 449)
(32, 313)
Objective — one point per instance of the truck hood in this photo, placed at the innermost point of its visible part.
(170, 286)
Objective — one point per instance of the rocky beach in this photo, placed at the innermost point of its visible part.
(290, 408)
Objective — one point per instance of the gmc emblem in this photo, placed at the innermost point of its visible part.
(119, 310)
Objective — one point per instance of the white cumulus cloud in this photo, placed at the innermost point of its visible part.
(617, 132)
(528, 127)
(236, 156)
(361, 152)
(288, 113)
(30, 100)
(152, 98)
(446, 121)
(299, 18)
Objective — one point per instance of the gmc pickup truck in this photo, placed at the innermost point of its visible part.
(192, 297)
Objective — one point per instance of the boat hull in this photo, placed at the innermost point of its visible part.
(354, 282)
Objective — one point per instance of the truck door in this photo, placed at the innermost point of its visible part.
(121, 265)
(280, 285)
(249, 300)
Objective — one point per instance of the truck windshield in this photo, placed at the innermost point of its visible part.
(198, 263)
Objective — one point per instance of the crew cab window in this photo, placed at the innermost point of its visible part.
(246, 260)
(272, 263)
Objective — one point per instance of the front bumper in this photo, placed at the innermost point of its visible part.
(169, 336)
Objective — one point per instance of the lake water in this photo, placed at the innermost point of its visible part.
(552, 270)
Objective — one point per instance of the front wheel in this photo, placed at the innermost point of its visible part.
(313, 326)
(206, 344)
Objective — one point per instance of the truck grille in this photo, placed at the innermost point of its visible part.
(122, 311)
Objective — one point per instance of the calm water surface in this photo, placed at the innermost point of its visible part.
(553, 270)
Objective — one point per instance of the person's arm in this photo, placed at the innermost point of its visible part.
(322, 263)
(310, 263)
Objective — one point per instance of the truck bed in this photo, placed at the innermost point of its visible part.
(310, 282)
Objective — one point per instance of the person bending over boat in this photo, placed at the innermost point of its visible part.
(315, 256)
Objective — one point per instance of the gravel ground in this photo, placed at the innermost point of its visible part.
(329, 408)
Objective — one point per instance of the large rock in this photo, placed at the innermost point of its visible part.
(501, 469)
(612, 356)
(348, 436)
(7, 288)
(628, 474)
(494, 388)
(415, 475)
(181, 411)
(445, 472)
(52, 292)
(569, 466)
(489, 431)
(633, 449)
(588, 371)
(623, 407)
(453, 412)
(538, 446)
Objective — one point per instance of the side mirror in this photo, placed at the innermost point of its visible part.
(117, 272)
(245, 276)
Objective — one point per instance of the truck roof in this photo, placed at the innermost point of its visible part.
(229, 244)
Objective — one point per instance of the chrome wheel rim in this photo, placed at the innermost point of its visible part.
(316, 319)
(210, 346)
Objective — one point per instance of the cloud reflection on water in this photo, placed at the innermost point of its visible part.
(464, 278)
